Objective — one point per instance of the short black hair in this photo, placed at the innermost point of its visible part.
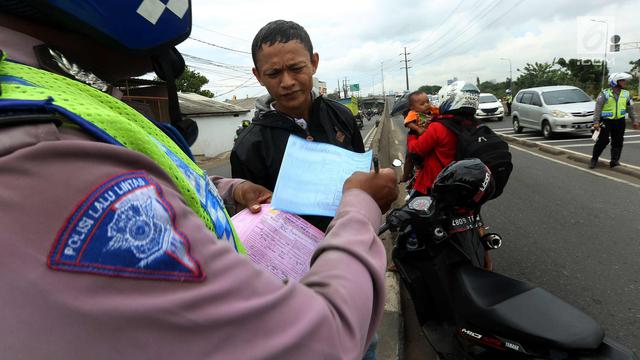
(280, 31)
(414, 94)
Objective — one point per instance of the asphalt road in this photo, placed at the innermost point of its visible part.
(571, 232)
(574, 142)
(574, 234)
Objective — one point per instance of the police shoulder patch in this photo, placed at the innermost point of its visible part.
(125, 228)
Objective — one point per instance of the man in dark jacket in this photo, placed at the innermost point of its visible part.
(285, 64)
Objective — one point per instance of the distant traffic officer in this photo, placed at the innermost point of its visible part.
(611, 107)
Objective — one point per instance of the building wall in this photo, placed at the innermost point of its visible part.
(216, 133)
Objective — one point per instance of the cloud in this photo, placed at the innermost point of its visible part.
(353, 37)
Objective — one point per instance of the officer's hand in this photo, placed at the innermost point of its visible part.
(636, 126)
(250, 195)
(382, 186)
(596, 126)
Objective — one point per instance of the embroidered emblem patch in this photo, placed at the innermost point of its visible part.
(125, 228)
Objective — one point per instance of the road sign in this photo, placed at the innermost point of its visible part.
(615, 43)
(354, 87)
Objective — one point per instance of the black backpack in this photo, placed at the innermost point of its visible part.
(479, 141)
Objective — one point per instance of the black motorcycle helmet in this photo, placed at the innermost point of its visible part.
(463, 184)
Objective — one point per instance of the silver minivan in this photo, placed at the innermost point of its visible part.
(553, 109)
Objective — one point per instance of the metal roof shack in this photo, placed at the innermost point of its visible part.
(248, 103)
(195, 105)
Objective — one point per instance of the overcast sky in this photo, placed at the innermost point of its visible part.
(461, 38)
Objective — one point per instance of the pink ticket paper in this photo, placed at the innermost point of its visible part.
(278, 242)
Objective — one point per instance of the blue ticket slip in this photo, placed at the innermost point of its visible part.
(312, 174)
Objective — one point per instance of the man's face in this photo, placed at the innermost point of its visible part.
(622, 83)
(287, 70)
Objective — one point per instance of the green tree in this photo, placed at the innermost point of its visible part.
(205, 92)
(587, 76)
(192, 81)
(495, 88)
(633, 83)
(430, 89)
(543, 74)
(635, 66)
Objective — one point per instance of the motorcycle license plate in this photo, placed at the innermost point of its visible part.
(464, 223)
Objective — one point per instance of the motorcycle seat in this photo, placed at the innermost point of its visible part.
(518, 311)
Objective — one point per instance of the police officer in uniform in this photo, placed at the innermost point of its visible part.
(611, 107)
(508, 99)
(115, 244)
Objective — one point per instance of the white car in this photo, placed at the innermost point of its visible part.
(552, 110)
(490, 108)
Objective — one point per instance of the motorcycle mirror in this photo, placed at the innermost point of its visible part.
(396, 163)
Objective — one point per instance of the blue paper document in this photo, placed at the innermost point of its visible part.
(312, 174)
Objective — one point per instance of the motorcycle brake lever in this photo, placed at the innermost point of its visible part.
(383, 228)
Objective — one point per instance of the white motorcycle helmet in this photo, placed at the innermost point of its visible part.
(615, 77)
(459, 97)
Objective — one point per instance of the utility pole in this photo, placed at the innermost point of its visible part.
(373, 85)
(406, 66)
(632, 46)
(510, 76)
(382, 72)
(606, 45)
(345, 87)
(338, 88)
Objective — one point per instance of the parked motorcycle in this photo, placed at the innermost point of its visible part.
(466, 312)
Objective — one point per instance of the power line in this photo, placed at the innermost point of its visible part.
(475, 21)
(236, 88)
(219, 46)
(447, 18)
(219, 33)
(245, 70)
(499, 17)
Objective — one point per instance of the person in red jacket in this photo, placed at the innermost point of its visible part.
(437, 145)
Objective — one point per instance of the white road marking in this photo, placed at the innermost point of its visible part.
(565, 140)
(577, 167)
(393, 127)
(582, 139)
(523, 135)
(591, 145)
(532, 138)
(366, 137)
(577, 153)
(502, 129)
